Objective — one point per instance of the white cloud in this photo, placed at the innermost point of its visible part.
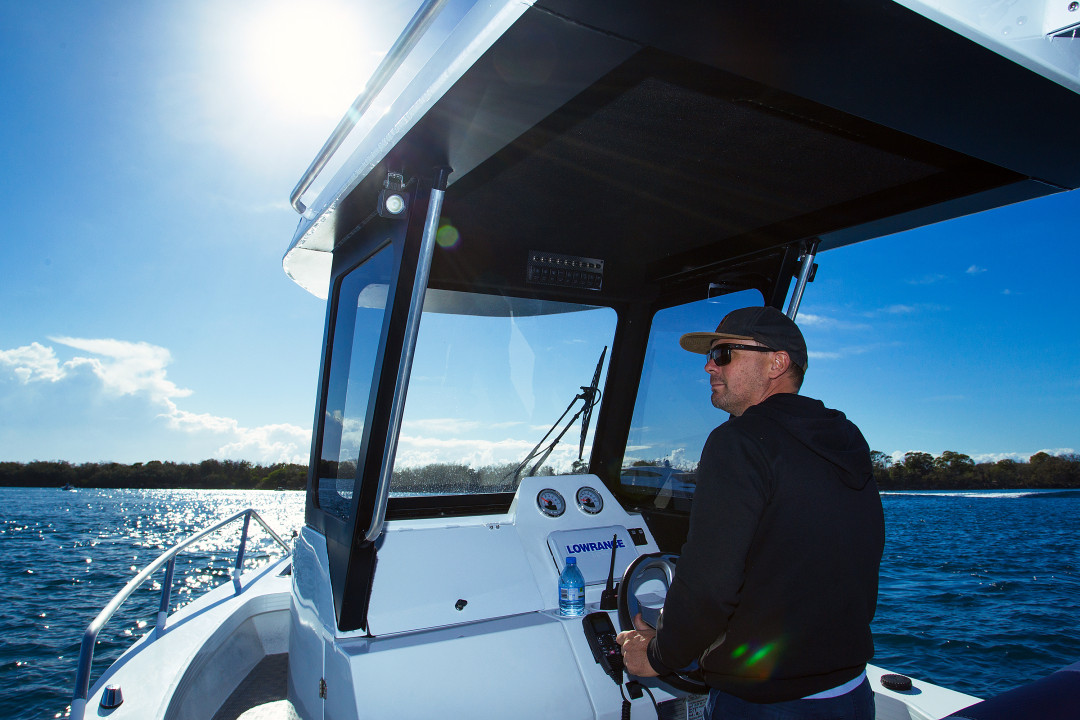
(826, 322)
(33, 362)
(1019, 456)
(274, 443)
(975, 270)
(124, 368)
(127, 368)
(138, 369)
(416, 450)
(850, 350)
(812, 320)
(994, 457)
(677, 458)
(902, 309)
(898, 455)
(282, 442)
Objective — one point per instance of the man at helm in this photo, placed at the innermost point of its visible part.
(777, 583)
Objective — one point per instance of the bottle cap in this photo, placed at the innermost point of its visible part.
(571, 560)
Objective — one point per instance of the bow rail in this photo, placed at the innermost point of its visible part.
(168, 558)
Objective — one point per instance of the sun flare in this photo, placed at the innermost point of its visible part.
(310, 59)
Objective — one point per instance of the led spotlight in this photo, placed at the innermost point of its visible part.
(392, 198)
(394, 204)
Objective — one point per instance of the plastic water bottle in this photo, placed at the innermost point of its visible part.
(571, 590)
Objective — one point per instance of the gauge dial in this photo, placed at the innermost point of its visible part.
(550, 502)
(589, 501)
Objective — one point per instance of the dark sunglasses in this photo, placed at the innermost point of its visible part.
(721, 354)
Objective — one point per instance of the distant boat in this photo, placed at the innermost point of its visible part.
(68, 486)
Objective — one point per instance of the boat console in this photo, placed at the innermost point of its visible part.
(480, 592)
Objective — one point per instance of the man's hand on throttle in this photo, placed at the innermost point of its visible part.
(633, 644)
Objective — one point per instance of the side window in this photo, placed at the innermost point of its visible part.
(673, 415)
(361, 308)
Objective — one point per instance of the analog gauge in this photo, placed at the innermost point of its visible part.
(589, 500)
(551, 503)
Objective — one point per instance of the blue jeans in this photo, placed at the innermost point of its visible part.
(855, 705)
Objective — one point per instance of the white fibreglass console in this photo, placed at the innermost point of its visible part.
(464, 614)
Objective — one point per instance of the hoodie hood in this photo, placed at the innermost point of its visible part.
(826, 432)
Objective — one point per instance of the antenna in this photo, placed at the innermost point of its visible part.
(609, 599)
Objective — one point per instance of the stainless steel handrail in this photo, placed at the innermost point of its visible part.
(417, 26)
(408, 345)
(804, 276)
(86, 650)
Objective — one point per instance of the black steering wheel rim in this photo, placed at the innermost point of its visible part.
(690, 682)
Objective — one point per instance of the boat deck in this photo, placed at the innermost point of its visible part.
(277, 710)
(261, 695)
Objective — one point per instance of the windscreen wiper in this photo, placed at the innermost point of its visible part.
(591, 396)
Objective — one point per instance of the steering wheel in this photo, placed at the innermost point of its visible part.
(642, 590)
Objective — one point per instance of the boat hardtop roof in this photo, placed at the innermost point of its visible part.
(692, 144)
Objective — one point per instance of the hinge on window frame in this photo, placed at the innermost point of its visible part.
(322, 688)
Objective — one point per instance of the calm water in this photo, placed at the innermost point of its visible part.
(979, 592)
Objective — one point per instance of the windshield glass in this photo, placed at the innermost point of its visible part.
(673, 415)
(491, 375)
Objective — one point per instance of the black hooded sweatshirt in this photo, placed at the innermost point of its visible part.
(777, 583)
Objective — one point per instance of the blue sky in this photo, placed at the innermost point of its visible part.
(147, 151)
(958, 336)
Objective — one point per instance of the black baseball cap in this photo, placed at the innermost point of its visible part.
(765, 325)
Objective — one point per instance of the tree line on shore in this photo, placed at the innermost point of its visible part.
(915, 471)
(243, 475)
(956, 471)
(206, 475)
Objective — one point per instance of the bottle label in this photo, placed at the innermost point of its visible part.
(571, 595)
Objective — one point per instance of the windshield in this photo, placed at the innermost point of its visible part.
(491, 375)
(673, 415)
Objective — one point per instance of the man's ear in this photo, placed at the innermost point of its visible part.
(781, 361)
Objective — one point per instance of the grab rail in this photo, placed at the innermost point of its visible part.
(86, 650)
(417, 26)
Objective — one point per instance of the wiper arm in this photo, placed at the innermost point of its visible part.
(591, 396)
